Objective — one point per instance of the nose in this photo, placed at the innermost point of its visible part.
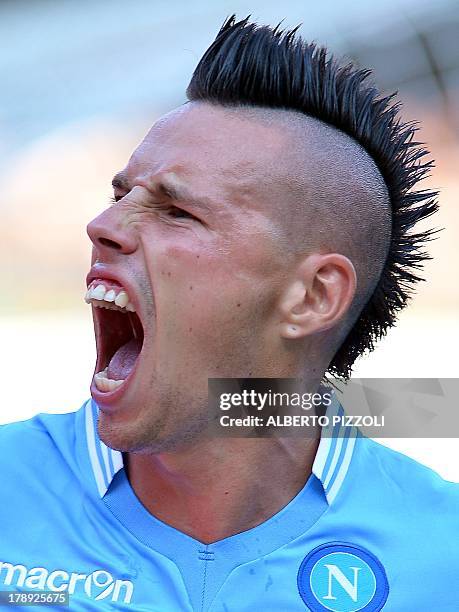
(109, 234)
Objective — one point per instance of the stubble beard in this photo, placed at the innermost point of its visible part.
(165, 425)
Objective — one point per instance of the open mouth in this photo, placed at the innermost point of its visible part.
(119, 333)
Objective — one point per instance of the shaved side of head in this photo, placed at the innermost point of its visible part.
(326, 193)
(337, 198)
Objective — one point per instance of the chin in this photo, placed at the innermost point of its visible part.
(125, 435)
(151, 436)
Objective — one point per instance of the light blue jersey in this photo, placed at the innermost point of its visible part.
(370, 530)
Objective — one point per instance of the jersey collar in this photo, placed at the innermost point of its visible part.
(330, 466)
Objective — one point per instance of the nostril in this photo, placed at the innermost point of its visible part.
(110, 243)
(108, 232)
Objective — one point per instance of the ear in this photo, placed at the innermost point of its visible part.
(318, 296)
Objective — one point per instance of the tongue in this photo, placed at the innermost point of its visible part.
(124, 359)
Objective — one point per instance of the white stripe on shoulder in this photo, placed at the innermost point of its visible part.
(342, 471)
(104, 450)
(331, 471)
(325, 441)
(91, 440)
(344, 446)
(117, 459)
(321, 457)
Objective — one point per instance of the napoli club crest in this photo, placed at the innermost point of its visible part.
(342, 577)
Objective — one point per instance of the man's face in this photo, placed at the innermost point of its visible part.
(193, 237)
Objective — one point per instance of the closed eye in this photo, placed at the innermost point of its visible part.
(172, 211)
(179, 213)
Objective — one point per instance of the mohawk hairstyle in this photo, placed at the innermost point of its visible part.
(251, 65)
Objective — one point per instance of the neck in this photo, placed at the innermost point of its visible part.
(221, 487)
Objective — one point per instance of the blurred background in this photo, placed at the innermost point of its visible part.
(80, 84)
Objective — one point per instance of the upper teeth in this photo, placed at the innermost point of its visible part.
(100, 296)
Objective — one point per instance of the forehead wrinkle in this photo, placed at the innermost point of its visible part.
(243, 192)
(245, 179)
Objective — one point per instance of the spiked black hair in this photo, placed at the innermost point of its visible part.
(256, 65)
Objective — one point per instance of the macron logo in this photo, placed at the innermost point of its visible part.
(98, 585)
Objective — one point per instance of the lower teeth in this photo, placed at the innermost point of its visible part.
(103, 383)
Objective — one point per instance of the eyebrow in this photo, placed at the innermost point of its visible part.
(120, 181)
(166, 185)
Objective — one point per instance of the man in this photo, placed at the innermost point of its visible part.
(261, 230)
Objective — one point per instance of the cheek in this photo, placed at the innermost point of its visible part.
(193, 290)
(209, 306)
(211, 288)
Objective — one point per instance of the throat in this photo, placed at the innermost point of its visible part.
(223, 505)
